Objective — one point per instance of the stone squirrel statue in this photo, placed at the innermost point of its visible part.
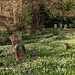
(66, 46)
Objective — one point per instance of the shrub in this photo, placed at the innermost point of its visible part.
(27, 15)
(70, 26)
(73, 23)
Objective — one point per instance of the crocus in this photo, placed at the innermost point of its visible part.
(21, 64)
(34, 52)
(18, 64)
(33, 58)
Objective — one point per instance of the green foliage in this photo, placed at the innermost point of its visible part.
(27, 15)
(24, 19)
(46, 16)
(47, 13)
(69, 5)
(34, 37)
(59, 11)
(9, 10)
(73, 23)
(70, 26)
(55, 32)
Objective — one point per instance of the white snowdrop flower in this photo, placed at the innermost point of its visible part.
(63, 70)
(47, 69)
(58, 68)
(44, 69)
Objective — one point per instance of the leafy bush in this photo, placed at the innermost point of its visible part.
(73, 23)
(28, 15)
(70, 26)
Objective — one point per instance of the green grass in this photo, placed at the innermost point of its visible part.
(47, 57)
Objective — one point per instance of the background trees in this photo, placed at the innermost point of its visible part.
(37, 14)
(48, 12)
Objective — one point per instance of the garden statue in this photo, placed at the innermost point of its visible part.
(16, 38)
(66, 46)
(19, 48)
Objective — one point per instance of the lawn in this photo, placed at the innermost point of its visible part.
(45, 54)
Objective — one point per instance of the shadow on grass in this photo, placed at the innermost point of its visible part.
(1, 64)
(46, 34)
(61, 37)
(65, 55)
(1, 51)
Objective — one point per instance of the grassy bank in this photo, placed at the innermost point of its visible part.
(47, 57)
